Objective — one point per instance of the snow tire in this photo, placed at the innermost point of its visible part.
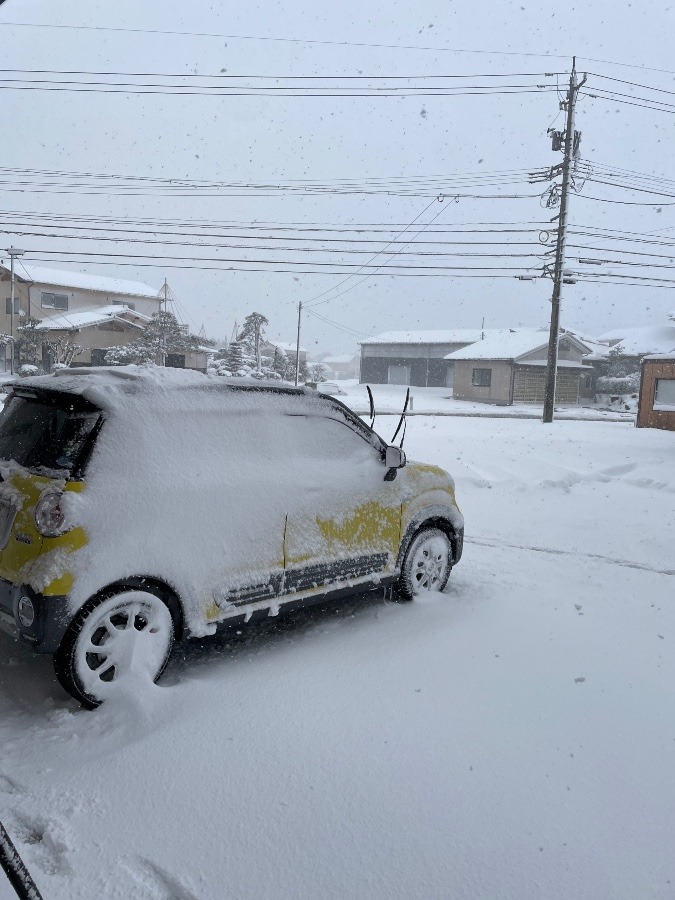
(427, 564)
(66, 657)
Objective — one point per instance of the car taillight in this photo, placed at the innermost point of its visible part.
(50, 519)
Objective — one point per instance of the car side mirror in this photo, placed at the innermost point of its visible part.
(394, 458)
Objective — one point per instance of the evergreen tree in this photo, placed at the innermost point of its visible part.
(162, 335)
(251, 334)
(28, 343)
(280, 363)
(235, 357)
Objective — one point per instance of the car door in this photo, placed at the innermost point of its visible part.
(344, 523)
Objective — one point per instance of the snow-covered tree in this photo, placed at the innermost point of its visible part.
(235, 360)
(162, 335)
(251, 334)
(318, 372)
(63, 351)
(29, 342)
(280, 363)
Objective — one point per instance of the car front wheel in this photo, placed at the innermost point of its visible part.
(427, 563)
(112, 642)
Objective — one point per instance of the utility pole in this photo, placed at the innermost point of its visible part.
(568, 159)
(297, 346)
(164, 323)
(13, 253)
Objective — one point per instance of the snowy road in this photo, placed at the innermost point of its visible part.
(512, 738)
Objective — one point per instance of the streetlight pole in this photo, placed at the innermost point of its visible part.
(13, 253)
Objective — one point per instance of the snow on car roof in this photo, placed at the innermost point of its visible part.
(87, 282)
(112, 387)
(88, 317)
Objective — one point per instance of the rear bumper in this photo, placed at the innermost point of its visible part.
(50, 622)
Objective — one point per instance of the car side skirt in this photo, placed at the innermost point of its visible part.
(262, 609)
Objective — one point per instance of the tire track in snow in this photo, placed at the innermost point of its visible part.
(552, 551)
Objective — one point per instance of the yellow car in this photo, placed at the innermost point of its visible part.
(138, 506)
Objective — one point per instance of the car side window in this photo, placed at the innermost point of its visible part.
(326, 439)
(342, 414)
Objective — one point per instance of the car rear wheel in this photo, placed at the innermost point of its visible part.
(427, 564)
(112, 641)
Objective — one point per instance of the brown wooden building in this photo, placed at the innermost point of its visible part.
(656, 408)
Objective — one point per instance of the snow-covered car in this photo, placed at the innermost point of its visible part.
(140, 506)
(326, 387)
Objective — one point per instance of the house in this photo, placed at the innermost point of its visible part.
(638, 342)
(343, 366)
(629, 345)
(656, 406)
(419, 358)
(596, 362)
(95, 331)
(93, 311)
(42, 293)
(510, 367)
(268, 349)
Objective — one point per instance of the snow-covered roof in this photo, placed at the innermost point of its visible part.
(509, 343)
(339, 360)
(597, 349)
(85, 281)
(436, 336)
(642, 340)
(665, 357)
(286, 347)
(87, 317)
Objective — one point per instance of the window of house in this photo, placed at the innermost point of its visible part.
(175, 360)
(664, 395)
(54, 301)
(564, 346)
(8, 305)
(124, 303)
(481, 377)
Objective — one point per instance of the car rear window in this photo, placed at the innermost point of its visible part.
(45, 433)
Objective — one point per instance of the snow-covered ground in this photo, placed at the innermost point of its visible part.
(389, 398)
(514, 737)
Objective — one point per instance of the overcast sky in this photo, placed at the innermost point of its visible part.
(267, 139)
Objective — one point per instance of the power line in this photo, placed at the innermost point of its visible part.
(248, 37)
(322, 42)
(239, 260)
(317, 301)
(335, 324)
(292, 249)
(253, 77)
(175, 264)
(18, 229)
(309, 226)
(648, 87)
